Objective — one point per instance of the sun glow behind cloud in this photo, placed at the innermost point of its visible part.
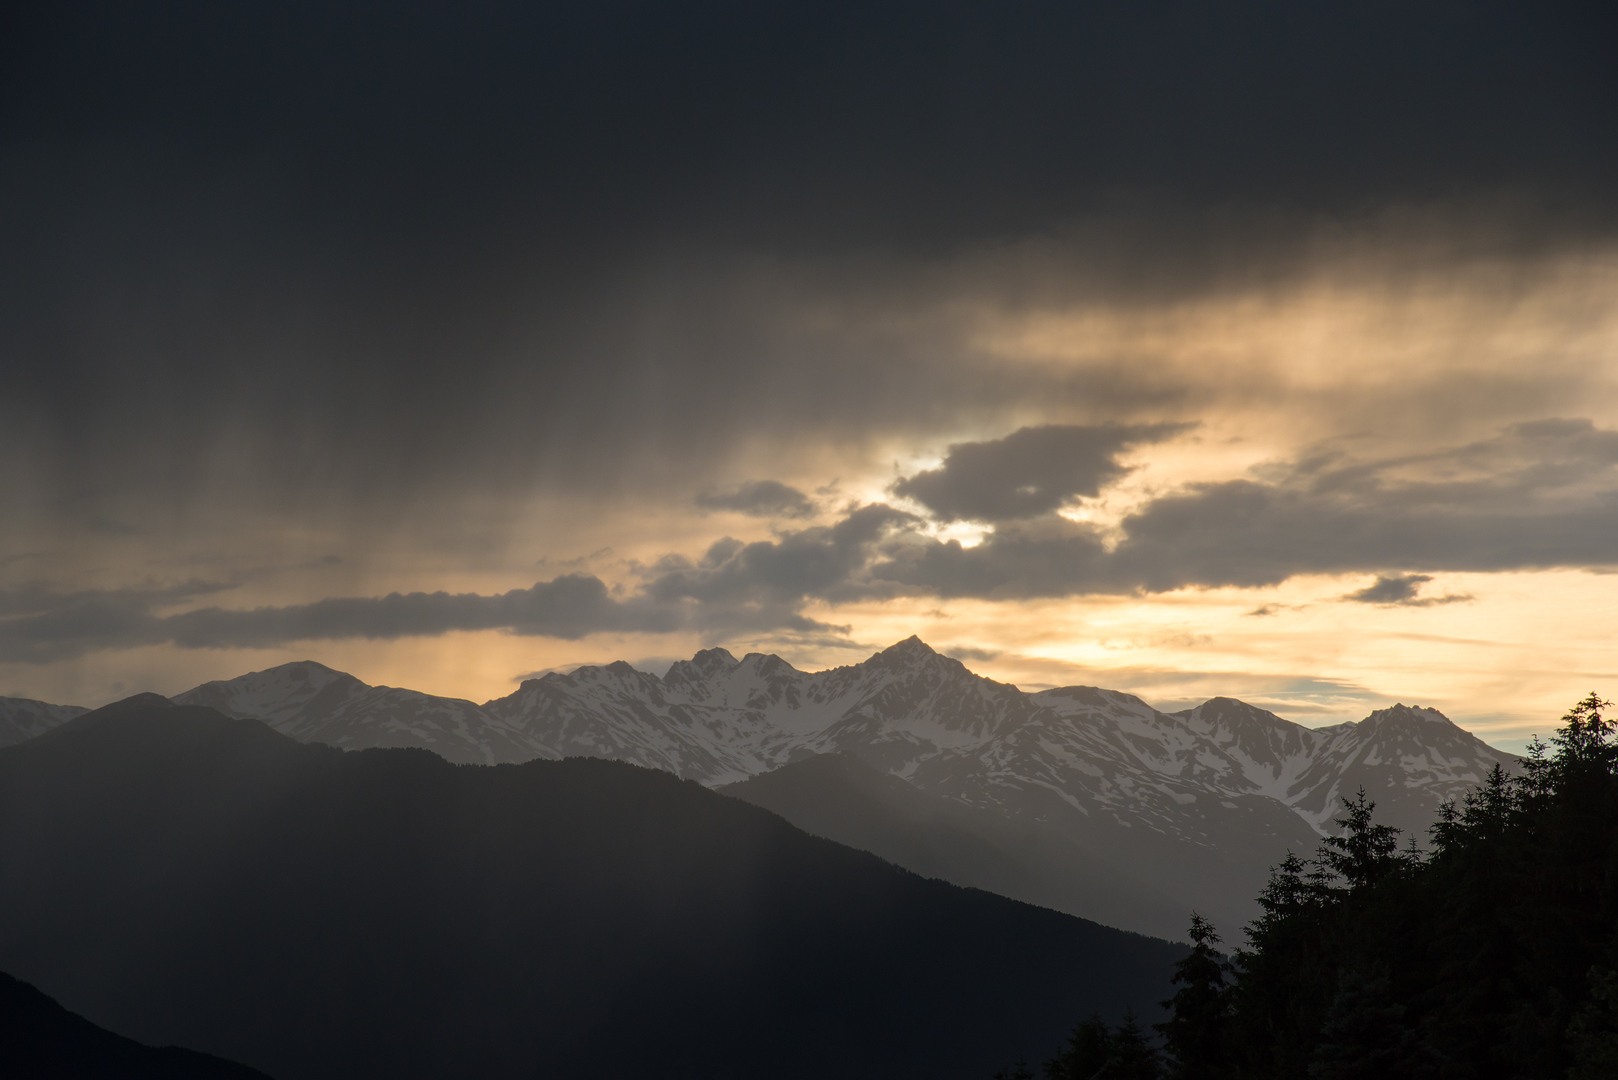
(1348, 345)
(1380, 362)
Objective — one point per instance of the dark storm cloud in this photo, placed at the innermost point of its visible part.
(902, 120)
(366, 253)
(1030, 472)
(760, 498)
(1053, 558)
(40, 623)
(734, 588)
(778, 575)
(568, 608)
(37, 598)
(1402, 591)
(1391, 590)
(1540, 495)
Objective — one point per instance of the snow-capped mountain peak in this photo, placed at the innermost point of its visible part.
(278, 695)
(1408, 759)
(683, 675)
(1225, 772)
(917, 714)
(1408, 719)
(1272, 752)
(1226, 787)
(314, 703)
(912, 650)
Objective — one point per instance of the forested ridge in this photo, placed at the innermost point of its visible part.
(1492, 954)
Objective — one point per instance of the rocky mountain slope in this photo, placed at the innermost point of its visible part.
(313, 703)
(1211, 796)
(926, 719)
(23, 718)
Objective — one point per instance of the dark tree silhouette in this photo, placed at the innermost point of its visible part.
(1085, 1054)
(1018, 1070)
(1366, 1036)
(1494, 957)
(1199, 1012)
(1133, 1055)
(1094, 1051)
(1366, 852)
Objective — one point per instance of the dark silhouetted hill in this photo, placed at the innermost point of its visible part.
(39, 1039)
(189, 878)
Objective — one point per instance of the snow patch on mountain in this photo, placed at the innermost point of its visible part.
(24, 718)
(313, 703)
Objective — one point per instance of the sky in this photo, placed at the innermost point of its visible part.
(1266, 350)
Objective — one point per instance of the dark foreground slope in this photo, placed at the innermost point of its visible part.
(188, 878)
(39, 1038)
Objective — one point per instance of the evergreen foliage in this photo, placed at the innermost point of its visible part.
(1197, 1032)
(1085, 1054)
(1094, 1051)
(1493, 957)
(1134, 1057)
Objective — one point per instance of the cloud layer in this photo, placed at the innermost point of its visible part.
(1030, 472)
(1402, 590)
(362, 324)
(759, 498)
(1540, 495)
(325, 261)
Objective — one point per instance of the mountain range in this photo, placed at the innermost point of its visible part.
(1143, 814)
(184, 877)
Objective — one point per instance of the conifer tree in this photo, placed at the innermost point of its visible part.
(1366, 1035)
(1593, 1034)
(1494, 958)
(1088, 1049)
(1018, 1070)
(1366, 852)
(1197, 1028)
(1133, 1055)
(1096, 1052)
(1586, 738)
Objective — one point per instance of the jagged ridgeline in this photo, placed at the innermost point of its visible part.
(183, 877)
(1493, 955)
(1082, 799)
